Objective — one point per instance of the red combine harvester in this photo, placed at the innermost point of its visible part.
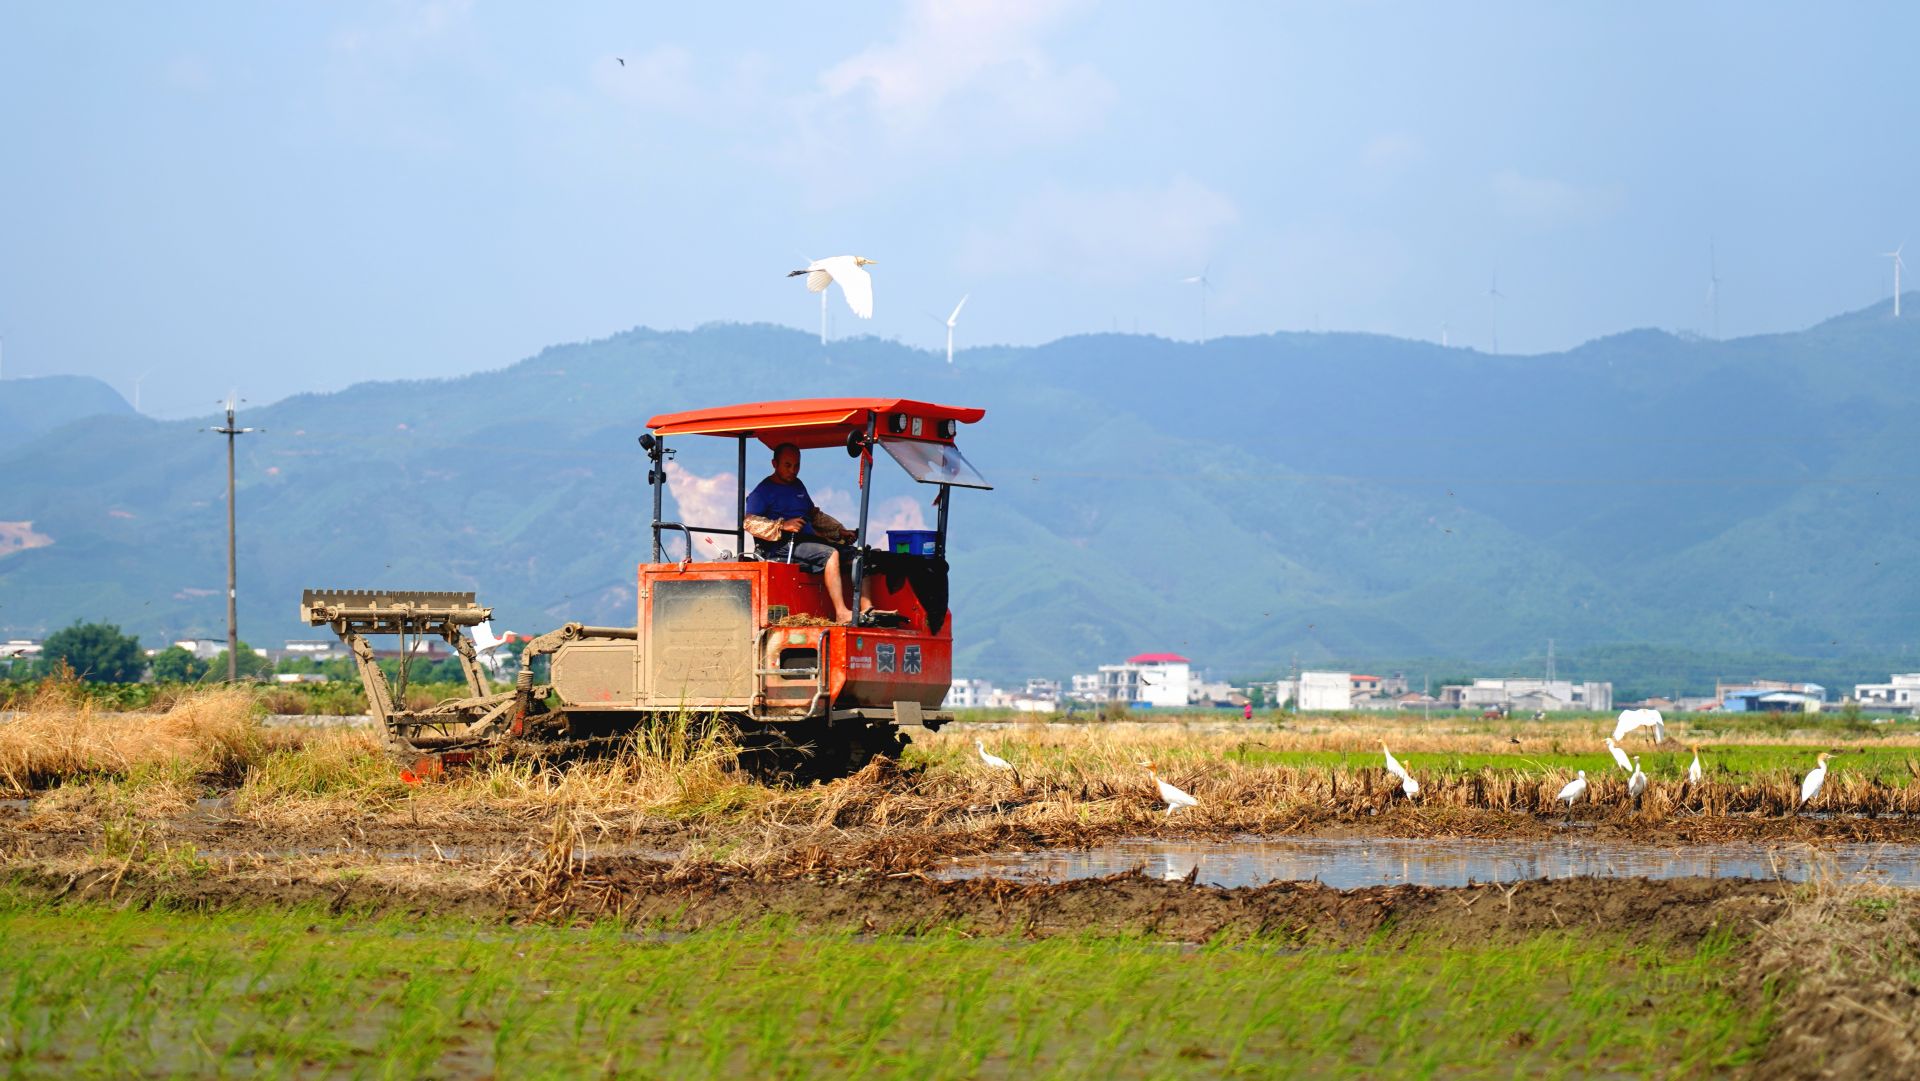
(744, 640)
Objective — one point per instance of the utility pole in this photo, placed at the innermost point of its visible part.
(1549, 660)
(233, 611)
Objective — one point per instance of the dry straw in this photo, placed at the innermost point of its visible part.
(59, 736)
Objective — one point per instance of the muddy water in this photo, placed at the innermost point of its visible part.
(1348, 863)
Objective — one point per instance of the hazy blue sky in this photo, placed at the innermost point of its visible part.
(287, 197)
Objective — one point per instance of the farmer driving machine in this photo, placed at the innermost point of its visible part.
(747, 641)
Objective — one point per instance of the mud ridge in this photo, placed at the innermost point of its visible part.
(669, 898)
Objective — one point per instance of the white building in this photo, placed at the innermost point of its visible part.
(1324, 691)
(1901, 692)
(311, 646)
(1046, 690)
(971, 694)
(1086, 687)
(1529, 695)
(1152, 679)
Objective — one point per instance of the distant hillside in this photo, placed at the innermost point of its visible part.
(1246, 502)
(36, 405)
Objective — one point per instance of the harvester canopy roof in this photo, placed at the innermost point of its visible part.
(810, 423)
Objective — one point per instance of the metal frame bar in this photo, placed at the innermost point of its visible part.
(860, 536)
(740, 504)
(657, 476)
(940, 540)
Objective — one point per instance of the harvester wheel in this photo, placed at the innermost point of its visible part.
(801, 752)
(866, 742)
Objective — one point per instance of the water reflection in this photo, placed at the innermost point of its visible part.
(1348, 863)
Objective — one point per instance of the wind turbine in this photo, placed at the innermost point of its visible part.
(1713, 289)
(136, 388)
(1898, 265)
(1494, 297)
(952, 319)
(1205, 284)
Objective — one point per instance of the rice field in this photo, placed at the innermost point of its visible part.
(193, 892)
(289, 993)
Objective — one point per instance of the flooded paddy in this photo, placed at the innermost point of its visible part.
(1711, 907)
(1353, 863)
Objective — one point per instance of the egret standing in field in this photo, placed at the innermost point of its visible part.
(1619, 756)
(855, 283)
(1631, 719)
(1637, 784)
(1407, 784)
(1693, 771)
(1175, 798)
(1575, 789)
(994, 761)
(1810, 787)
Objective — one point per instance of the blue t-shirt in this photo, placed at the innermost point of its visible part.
(772, 499)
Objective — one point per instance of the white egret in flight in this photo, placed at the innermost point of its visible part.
(1619, 755)
(483, 639)
(855, 283)
(1810, 787)
(1175, 798)
(1631, 719)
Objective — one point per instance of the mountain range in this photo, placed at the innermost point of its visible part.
(1248, 502)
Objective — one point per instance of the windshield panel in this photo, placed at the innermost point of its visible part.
(935, 463)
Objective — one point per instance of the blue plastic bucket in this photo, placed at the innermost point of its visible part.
(913, 542)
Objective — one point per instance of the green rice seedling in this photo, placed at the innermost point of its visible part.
(286, 992)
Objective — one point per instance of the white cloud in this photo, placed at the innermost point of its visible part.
(703, 501)
(896, 512)
(987, 51)
(1546, 201)
(1121, 235)
(409, 25)
(1391, 152)
(378, 70)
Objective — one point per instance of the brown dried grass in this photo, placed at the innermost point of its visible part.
(211, 736)
(1846, 961)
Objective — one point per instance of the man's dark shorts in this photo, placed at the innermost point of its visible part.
(810, 554)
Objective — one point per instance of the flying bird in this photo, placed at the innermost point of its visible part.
(622, 59)
(1631, 719)
(1619, 755)
(855, 283)
(1810, 787)
(1175, 798)
(1407, 784)
(1573, 791)
(1693, 771)
(483, 639)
